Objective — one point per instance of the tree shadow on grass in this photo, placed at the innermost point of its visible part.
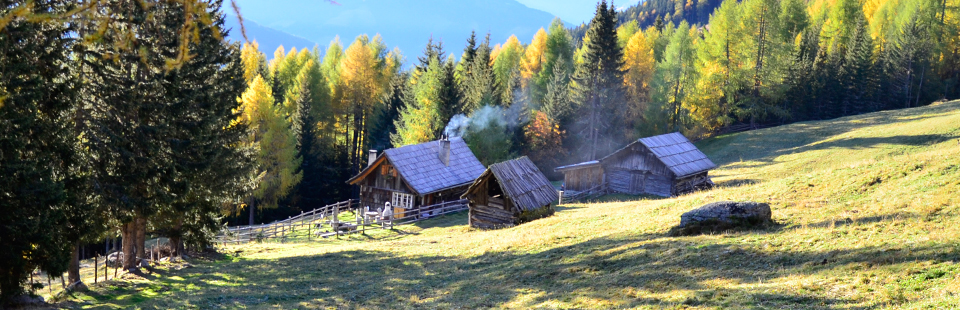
(606, 272)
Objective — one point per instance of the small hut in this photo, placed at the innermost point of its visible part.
(664, 165)
(414, 176)
(510, 193)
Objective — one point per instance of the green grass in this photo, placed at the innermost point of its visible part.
(867, 214)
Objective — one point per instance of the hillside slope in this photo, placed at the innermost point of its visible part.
(867, 211)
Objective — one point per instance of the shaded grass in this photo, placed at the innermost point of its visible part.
(867, 209)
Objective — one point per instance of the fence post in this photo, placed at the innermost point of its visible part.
(95, 268)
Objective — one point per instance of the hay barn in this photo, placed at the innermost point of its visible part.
(510, 193)
(664, 165)
(413, 176)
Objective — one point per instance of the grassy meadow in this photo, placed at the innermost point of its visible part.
(867, 212)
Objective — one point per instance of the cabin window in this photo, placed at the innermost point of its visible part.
(401, 200)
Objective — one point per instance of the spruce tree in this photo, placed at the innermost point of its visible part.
(129, 118)
(38, 95)
(478, 86)
(858, 73)
(209, 167)
(598, 85)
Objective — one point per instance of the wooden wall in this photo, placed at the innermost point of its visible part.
(583, 179)
(489, 209)
(636, 171)
(378, 187)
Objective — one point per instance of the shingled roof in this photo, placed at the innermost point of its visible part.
(522, 182)
(421, 168)
(676, 152)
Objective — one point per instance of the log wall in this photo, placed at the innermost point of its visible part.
(636, 171)
(583, 179)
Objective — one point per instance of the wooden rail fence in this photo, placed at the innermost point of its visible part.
(328, 217)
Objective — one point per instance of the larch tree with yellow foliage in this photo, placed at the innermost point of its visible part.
(277, 164)
(638, 68)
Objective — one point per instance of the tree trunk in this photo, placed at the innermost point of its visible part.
(253, 208)
(175, 238)
(141, 227)
(73, 273)
(128, 235)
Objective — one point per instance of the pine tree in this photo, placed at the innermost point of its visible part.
(598, 85)
(556, 102)
(478, 84)
(130, 118)
(858, 73)
(793, 18)
(209, 169)
(558, 50)
(40, 222)
(421, 115)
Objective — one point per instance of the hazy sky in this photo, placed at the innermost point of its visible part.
(572, 11)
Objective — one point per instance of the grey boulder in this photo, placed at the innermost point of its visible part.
(728, 213)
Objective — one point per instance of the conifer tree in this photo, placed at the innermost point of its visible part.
(675, 77)
(38, 95)
(478, 84)
(277, 164)
(639, 66)
(421, 115)
(858, 73)
(506, 69)
(557, 50)
(209, 167)
(532, 61)
(556, 102)
(598, 85)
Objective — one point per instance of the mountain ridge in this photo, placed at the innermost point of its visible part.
(407, 24)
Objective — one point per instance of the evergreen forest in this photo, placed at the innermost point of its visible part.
(122, 119)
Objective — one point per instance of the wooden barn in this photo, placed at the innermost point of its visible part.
(510, 193)
(417, 175)
(664, 165)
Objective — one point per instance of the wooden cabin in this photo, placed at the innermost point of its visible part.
(510, 193)
(664, 165)
(413, 176)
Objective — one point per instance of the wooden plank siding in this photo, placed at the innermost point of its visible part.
(510, 193)
(635, 170)
(583, 178)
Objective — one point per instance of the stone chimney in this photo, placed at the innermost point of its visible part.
(444, 151)
(373, 157)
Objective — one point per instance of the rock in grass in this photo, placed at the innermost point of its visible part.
(723, 215)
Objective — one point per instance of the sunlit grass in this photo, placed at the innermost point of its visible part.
(866, 210)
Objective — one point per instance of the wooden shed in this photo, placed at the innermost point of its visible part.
(413, 176)
(664, 165)
(510, 193)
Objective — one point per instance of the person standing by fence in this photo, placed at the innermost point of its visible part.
(386, 217)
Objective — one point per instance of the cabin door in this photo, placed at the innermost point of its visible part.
(637, 178)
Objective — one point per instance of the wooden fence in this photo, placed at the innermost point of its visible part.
(281, 229)
(572, 196)
(327, 217)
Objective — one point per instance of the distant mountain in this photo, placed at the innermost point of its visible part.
(646, 13)
(267, 38)
(406, 24)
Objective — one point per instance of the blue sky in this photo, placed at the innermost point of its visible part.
(572, 11)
